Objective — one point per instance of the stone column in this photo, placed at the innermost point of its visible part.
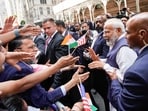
(90, 11)
(69, 15)
(78, 15)
(104, 5)
(137, 6)
(83, 11)
(118, 2)
(125, 4)
(93, 11)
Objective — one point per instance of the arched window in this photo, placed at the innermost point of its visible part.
(43, 2)
(41, 10)
(48, 10)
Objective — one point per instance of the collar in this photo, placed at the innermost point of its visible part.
(143, 48)
(121, 36)
(63, 34)
(54, 34)
(51, 35)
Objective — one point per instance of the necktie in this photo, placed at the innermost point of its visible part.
(46, 43)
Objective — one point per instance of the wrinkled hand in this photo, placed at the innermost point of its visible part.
(30, 30)
(8, 26)
(80, 77)
(96, 65)
(66, 61)
(92, 54)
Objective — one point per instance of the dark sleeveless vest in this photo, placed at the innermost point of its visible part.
(111, 57)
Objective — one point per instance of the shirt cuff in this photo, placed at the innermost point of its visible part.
(63, 90)
(108, 68)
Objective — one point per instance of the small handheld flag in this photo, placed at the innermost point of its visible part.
(84, 99)
(69, 40)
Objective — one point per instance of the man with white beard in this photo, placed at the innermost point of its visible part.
(120, 56)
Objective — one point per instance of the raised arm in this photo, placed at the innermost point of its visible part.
(13, 87)
(76, 79)
(24, 31)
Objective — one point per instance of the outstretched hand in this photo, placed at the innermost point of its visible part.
(73, 66)
(96, 65)
(30, 30)
(13, 58)
(112, 75)
(19, 55)
(8, 26)
(66, 61)
(80, 77)
(93, 55)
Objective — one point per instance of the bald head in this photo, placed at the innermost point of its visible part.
(137, 30)
(100, 20)
(139, 20)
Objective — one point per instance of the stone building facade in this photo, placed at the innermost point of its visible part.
(69, 10)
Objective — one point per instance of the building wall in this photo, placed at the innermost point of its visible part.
(112, 8)
(28, 10)
(143, 5)
(3, 13)
(35, 10)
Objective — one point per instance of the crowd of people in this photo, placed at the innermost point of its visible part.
(40, 73)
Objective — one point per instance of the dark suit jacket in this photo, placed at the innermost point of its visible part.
(40, 42)
(100, 46)
(55, 50)
(134, 94)
(73, 95)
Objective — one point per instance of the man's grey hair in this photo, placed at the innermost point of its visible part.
(116, 23)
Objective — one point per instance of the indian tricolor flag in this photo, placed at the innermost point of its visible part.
(70, 41)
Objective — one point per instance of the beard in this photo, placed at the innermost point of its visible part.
(99, 29)
(112, 40)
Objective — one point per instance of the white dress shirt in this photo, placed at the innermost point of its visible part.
(125, 58)
(30, 108)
